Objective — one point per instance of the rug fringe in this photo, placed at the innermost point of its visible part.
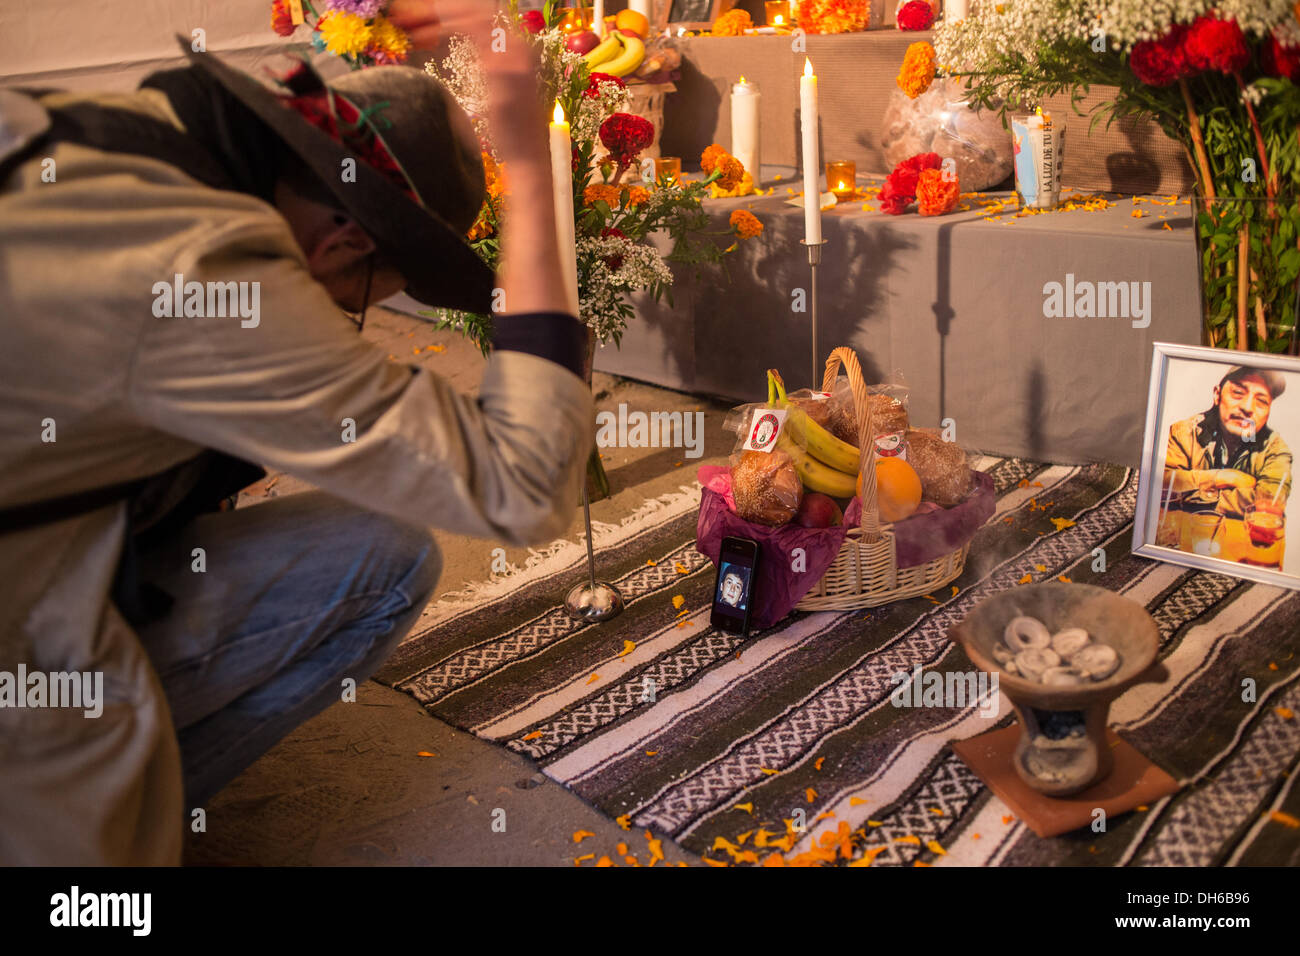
(561, 554)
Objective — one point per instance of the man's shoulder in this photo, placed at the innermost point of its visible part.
(1187, 426)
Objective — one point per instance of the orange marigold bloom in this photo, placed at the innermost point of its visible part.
(635, 195)
(746, 224)
(833, 16)
(601, 191)
(709, 158)
(732, 172)
(936, 195)
(734, 23)
(918, 69)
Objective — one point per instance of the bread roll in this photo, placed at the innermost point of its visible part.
(890, 415)
(766, 487)
(941, 466)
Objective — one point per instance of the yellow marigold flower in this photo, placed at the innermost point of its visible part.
(746, 224)
(709, 158)
(918, 70)
(734, 23)
(344, 34)
(389, 40)
(601, 191)
(635, 195)
(745, 188)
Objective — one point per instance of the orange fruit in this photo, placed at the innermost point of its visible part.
(634, 21)
(898, 489)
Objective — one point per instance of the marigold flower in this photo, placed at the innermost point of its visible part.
(833, 16)
(936, 195)
(746, 224)
(635, 195)
(598, 192)
(731, 172)
(918, 69)
(709, 158)
(344, 34)
(733, 23)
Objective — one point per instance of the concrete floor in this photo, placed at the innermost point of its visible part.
(348, 786)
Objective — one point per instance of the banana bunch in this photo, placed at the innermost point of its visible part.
(617, 55)
(824, 462)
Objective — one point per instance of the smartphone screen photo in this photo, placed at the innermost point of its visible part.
(733, 593)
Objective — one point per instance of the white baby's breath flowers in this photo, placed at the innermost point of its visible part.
(642, 267)
(1252, 94)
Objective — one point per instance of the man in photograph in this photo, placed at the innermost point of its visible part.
(733, 590)
(1227, 458)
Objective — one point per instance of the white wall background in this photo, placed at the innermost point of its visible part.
(113, 44)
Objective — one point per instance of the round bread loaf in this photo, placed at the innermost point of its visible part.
(941, 466)
(890, 415)
(766, 487)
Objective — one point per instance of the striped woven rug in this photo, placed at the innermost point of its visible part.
(738, 734)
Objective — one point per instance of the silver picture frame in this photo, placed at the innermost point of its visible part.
(1154, 443)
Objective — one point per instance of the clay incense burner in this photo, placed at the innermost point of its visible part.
(1062, 747)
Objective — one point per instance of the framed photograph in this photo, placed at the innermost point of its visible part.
(695, 14)
(1215, 488)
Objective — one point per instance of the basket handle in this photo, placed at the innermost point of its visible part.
(870, 524)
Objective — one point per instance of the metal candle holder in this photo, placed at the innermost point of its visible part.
(814, 260)
(592, 601)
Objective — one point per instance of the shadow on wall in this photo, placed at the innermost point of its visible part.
(690, 116)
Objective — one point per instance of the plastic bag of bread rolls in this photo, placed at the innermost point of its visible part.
(941, 465)
(765, 483)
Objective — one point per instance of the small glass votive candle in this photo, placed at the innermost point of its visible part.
(588, 16)
(842, 179)
(669, 167)
(778, 13)
(571, 22)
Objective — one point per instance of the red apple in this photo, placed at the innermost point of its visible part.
(818, 511)
(582, 43)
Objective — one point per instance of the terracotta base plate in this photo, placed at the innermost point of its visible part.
(1134, 782)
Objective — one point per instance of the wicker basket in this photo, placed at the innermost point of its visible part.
(865, 573)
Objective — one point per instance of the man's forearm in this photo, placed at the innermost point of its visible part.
(531, 276)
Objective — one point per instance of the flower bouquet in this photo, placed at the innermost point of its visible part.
(1219, 77)
(356, 31)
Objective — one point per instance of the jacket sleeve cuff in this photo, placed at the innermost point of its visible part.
(555, 336)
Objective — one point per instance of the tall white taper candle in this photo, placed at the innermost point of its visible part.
(562, 184)
(812, 207)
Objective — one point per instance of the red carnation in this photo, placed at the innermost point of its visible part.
(1161, 62)
(1280, 60)
(610, 232)
(593, 88)
(625, 135)
(915, 15)
(1216, 45)
(899, 190)
(533, 21)
(282, 19)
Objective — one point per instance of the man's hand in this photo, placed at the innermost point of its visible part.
(1230, 478)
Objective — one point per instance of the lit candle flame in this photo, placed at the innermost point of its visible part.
(807, 67)
(778, 20)
(558, 115)
(843, 188)
(742, 79)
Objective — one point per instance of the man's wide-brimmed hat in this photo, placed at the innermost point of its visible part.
(412, 122)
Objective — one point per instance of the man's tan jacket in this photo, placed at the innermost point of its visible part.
(95, 389)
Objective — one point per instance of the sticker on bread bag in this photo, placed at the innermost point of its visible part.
(764, 429)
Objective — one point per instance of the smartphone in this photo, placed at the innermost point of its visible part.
(733, 593)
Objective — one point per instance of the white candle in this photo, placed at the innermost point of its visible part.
(955, 9)
(598, 15)
(640, 6)
(746, 132)
(812, 206)
(562, 184)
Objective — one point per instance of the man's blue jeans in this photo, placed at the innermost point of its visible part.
(296, 595)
